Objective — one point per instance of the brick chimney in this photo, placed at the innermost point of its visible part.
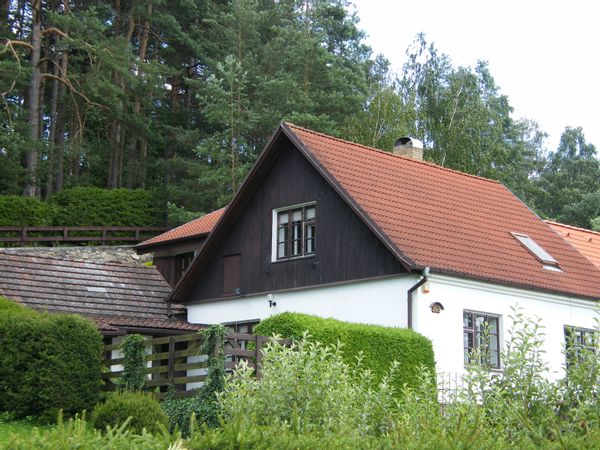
(409, 148)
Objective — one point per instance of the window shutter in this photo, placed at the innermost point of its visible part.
(231, 274)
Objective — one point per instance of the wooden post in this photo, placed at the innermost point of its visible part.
(171, 370)
(260, 340)
(104, 231)
(65, 233)
(24, 234)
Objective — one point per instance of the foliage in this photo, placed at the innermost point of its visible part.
(310, 387)
(22, 211)
(142, 410)
(134, 363)
(204, 404)
(178, 215)
(119, 207)
(48, 362)
(377, 346)
(75, 433)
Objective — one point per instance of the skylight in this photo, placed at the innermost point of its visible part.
(536, 250)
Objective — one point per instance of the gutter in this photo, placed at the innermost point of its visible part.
(409, 296)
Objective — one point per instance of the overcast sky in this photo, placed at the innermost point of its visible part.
(544, 55)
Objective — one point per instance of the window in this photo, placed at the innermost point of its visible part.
(295, 232)
(578, 340)
(182, 262)
(231, 274)
(481, 336)
(536, 250)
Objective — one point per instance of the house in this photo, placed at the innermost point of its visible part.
(328, 227)
(118, 298)
(587, 242)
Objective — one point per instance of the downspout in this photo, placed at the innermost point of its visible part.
(409, 296)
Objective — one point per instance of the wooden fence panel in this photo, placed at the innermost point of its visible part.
(170, 365)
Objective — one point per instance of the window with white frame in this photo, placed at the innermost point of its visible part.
(481, 337)
(294, 232)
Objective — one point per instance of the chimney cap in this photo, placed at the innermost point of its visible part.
(408, 142)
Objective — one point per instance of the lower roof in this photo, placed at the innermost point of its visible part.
(115, 296)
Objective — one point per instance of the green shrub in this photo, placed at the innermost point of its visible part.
(143, 409)
(18, 211)
(118, 207)
(379, 346)
(48, 362)
(311, 388)
(134, 363)
(8, 305)
(76, 434)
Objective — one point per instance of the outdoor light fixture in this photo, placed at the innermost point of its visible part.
(436, 307)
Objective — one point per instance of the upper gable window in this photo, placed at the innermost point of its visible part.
(294, 232)
(536, 250)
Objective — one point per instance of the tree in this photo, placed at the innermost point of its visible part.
(572, 171)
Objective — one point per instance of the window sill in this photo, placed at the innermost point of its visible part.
(295, 258)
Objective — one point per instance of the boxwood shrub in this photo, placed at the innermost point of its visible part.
(380, 346)
(48, 362)
(143, 409)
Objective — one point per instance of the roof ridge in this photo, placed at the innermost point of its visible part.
(572, 227)
(390, 154)
(4, 251)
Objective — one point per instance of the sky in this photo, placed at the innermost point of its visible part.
(544, 55)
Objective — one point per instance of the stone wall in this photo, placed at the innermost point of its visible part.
(122, 254)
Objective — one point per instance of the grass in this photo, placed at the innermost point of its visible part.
(17, 427)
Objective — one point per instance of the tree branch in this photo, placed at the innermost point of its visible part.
(73, 90)
(55, 31)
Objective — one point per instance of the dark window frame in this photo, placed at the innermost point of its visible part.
(581, 338)
(295, 239)
(231, 281)
(476, 336)
(182, 262)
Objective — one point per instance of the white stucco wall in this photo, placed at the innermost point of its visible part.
(383, 302)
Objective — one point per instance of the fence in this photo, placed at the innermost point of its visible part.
(176, 360)
(75, 235)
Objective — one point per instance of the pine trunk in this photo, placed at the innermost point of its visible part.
(32, 190)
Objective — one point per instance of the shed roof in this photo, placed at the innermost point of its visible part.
(587, 242)
(115, 296)
(196, 228)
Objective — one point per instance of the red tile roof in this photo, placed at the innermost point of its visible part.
(450, 221)
(587, 242)
(114, 295)
(196, 228)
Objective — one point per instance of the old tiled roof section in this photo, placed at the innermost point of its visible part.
(116, 295)
(198, 227)
(587, 242)
(450, 221)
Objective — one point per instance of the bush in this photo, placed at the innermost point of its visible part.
(18, 211)
(76, 434)
(143, 409)
(312, 389)
(379, 346)
(119, 207)
(134, 364)
(48, 362)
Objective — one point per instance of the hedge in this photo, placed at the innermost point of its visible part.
(85, 207)
(48, 362)
(89, 206)
(18, 211)
(380, 346)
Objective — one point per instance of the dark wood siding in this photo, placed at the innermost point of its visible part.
(346, 248)
(172, 260)
(231, 274)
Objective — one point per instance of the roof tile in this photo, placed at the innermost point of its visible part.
(198, 227)
(587, 242)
